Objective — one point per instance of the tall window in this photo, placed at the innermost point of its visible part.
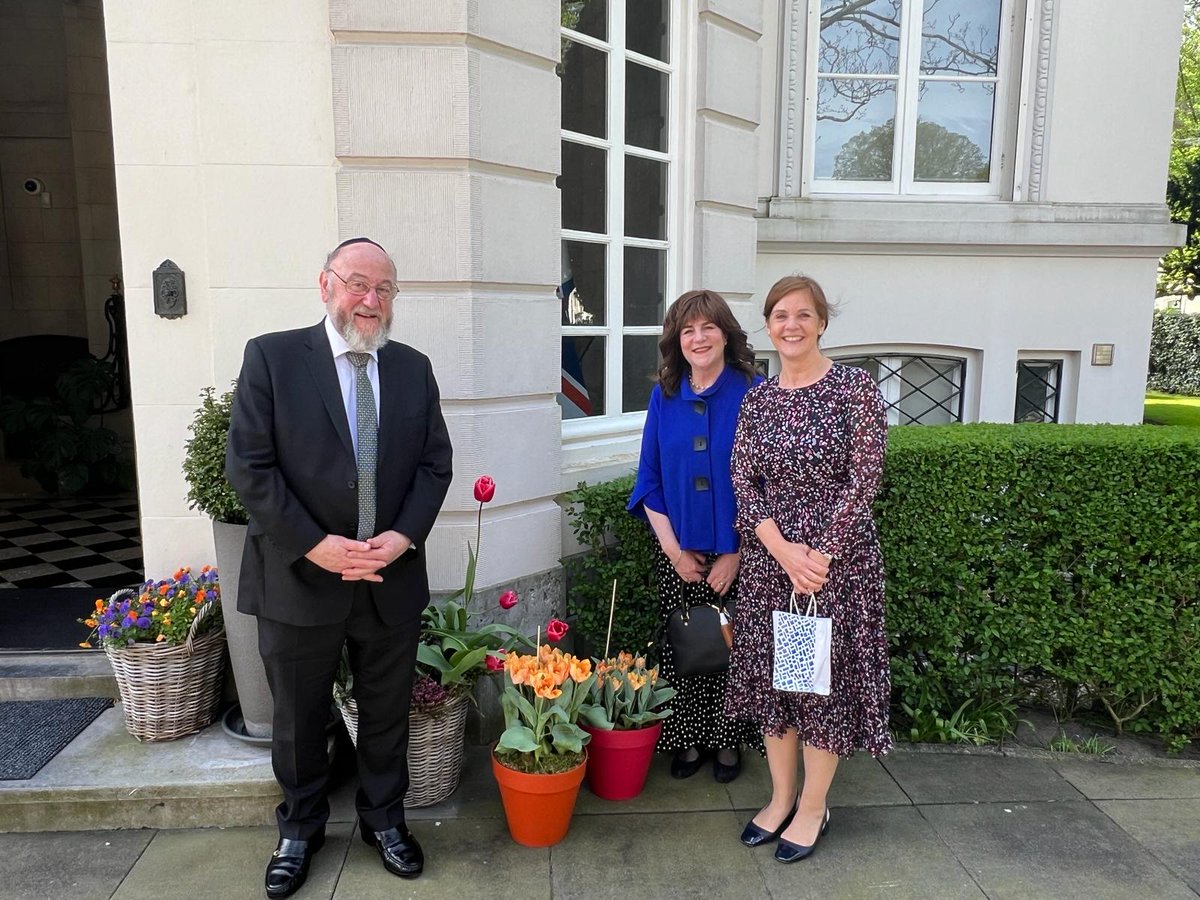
(618, 142)
(909, 95)
(917, 390)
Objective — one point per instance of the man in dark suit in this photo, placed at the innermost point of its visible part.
(338, 449)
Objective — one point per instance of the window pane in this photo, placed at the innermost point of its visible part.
(954, 131)
(860, 38)
(645, 198)
(582, 392)
(855, 129)
(930, 390)
(645, 282)
(588, 17)
(641, 365)
(960, 37)
(646, 29)
(582, 186)
(582, 290)
(645, 107)
(1037, 391)
(584, 89)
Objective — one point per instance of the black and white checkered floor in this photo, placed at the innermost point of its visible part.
(69, 543)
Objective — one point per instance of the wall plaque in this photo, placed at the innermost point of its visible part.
(170, 292)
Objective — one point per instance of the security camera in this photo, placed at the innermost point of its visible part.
(34, 186)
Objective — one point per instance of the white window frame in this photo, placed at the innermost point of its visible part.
(614, 420)
(908, 76)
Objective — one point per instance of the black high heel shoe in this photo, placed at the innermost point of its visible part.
(754, 836)
(787, 852)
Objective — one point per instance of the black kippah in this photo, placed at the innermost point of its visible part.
(356, 240)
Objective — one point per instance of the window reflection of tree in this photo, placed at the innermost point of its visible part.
(941, 155)
(862, 37)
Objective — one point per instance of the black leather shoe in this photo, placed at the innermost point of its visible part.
(787, 852)
(681, 768)
(399, 850)
(754, 836)
(725, 774)
(288, 867)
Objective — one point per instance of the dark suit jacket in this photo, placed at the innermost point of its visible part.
(291, 461)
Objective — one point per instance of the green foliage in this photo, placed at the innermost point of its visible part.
(621, 548)
(204, 460)
(69, 454)
(1028, 561)
(972, 722)
(1092, 746)
(1171, 409)
(454, 653)
(1179, 269)
(627, 695)
(1175, 353)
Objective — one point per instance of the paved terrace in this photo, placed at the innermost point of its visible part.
(916, 824)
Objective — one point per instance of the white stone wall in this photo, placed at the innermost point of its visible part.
(446, 125)
(1070, 263)
(223, 144)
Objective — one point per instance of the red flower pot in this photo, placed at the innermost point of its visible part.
(538, 807)
(618, 761)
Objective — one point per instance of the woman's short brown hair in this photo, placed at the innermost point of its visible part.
(709, 306)
(790, 284)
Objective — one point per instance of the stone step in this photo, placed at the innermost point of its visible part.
(106, 779)
(55, 675)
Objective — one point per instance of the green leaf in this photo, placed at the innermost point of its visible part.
(517, 738)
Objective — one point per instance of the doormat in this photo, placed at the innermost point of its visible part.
(45, 618)
(33, 732)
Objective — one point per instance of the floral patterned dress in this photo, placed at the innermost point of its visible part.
(811, 458)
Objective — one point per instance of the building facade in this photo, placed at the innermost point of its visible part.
(978, 184)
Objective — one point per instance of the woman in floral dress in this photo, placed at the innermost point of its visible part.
(807, 459)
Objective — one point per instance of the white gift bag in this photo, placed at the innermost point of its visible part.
(802, 645)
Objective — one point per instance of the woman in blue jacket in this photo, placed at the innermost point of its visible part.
(684, 490)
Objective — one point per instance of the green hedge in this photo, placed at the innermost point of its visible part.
(1175, 353)
(1052, 565)
(1058, 564)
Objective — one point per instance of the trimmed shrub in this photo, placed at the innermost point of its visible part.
(1175, 353)
(1026, 564)
(1060, 564)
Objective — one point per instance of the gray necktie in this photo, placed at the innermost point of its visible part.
(368, 444)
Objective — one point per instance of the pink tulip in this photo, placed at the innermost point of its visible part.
(485, 488)
(508, 600)
(556, 629)
(494, 663)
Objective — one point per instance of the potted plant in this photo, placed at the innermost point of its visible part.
(167, 649)
(539, 760)
(452, 654)
(212, 494)
(624, 721)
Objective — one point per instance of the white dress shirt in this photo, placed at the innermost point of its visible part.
(346, 376)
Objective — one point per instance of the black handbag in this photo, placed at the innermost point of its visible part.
(697, 643)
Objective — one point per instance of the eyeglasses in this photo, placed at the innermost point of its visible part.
(385, 290)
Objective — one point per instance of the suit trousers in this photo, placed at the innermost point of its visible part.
(301, 663)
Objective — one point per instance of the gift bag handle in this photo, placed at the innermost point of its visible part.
(809, 610)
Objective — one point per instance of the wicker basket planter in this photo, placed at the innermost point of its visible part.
(435, 748)
(169, 692)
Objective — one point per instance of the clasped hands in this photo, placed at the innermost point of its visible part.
(806, 567)
(692, 568)
(358, 560)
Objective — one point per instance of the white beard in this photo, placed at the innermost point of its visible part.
(355, 340)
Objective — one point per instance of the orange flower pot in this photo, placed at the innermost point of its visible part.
(538, 807)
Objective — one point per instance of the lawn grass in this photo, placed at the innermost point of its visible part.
(1172, 409)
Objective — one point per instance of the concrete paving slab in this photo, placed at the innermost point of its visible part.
(616, 857)
(477, 795)
(662, 793)
(228, 863)
(463, 858)
(1170, 829)
(1052, 850)
(946, 778)
(68, 866)
(883, 852)
(860, 781)
(1113, 781)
